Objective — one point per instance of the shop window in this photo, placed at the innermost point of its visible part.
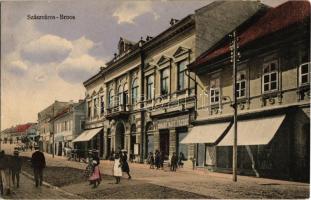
(270, 76)
(182, 148)
(214, 91)
(304, 74)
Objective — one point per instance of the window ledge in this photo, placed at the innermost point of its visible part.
(271, 94)
(181, 92)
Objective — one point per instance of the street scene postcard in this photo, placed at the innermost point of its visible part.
(155, 99)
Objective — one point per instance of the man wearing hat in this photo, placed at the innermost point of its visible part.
(16, 167)
(38, 164)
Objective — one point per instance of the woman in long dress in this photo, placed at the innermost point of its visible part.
(95, 177)
(125, 165)
(117, 168)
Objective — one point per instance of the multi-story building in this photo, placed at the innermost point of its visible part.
(45, 124)
(144, 99)
(68, 124)
(273, 97)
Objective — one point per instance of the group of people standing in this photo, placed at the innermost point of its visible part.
(157, 160)
(120, 165)
(11, 166)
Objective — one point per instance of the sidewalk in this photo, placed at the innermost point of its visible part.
(27, 190)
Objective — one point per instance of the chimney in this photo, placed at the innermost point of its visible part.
(173, 21)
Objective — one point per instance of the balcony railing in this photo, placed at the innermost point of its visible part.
(118, 111)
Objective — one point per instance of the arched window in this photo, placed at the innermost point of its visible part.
(120, 95)
(110, 99)
(134, 91)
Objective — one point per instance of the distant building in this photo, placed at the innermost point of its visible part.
(45, 124)
(68, 124)
(16, 133)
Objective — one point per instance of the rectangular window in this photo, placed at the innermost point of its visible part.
(181, 79)
(134, 92)
(95, 107)
(241, 84)
(270, 76)
(304, 74)
(150, 88)
(164, 81)
(89, 109)
(102, 105)
(214, 91)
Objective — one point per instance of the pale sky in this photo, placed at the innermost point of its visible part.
(47, 60)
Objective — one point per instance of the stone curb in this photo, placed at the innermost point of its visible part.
(51, 186)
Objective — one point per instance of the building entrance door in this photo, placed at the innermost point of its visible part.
(165, 143)
(120, 131)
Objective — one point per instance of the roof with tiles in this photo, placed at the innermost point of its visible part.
(274, 20)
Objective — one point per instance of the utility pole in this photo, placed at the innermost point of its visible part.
(234, 59)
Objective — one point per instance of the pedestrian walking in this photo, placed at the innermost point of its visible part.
(157, 159)
(89, 170)
(16, 167)
(5, 183)
(117, 168)
(161, 156)
(151, 160)
(125, 165)
(38, 164)
(95, 177)
(30, 146)
(181, 158)
(174, 160)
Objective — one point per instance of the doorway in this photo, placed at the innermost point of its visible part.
(165, 143)
(120, 132)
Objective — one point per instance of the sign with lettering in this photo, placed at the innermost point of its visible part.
(173, 122)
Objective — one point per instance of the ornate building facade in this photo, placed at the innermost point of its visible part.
(145, 98)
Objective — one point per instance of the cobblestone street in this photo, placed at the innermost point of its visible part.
(148, 183)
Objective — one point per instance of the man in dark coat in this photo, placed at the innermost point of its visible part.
(38, 164)
(16, 166)
(174, 160)
(157, 159)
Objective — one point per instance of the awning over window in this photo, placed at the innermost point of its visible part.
(258, 131)
(87, 135)
(205, 133)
